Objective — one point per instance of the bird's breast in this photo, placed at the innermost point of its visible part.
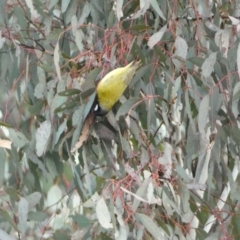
(109, 93)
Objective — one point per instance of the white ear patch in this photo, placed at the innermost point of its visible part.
(96, 108)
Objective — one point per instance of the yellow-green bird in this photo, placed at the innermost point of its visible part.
(112, 86)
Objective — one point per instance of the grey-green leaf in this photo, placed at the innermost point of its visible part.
(151, 226)
(5, 236)
(22, 215)
(181, 48)
(42, 137)
(156, 37)
(103, 214)
(208, 64)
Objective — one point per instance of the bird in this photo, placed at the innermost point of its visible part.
(112, 86)
(108, 92)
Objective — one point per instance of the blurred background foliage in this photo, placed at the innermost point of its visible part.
(163, 164)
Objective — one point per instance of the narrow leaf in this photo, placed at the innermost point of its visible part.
(69, 92)
(64, 5)
(238, 59)
(3, 158)
(56, 59)
(22, 215)
(151, 226)
(181, 48)
(5, 215)
(34, 13)
(156, 37)
(156, 7)
(203, 113)
(42, 137)
(118, 10)
(127, 106)
(103, 214)
(208, 64)
(142, 191)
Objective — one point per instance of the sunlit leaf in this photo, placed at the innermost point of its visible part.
(208, 64)
(156, 37)
(64, 5)
(103, 214)
(181, 48)
(118, 9)
(42, 136)
(22, 215)
(5, 236)
(157, 8)
(56, 61)
(203, 113)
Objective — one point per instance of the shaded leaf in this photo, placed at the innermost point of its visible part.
(33, 157)
(5, 215)
(18, 138)
(127, 106)
(13, 194)
(71, 10)
(69, 92)
(2, 164)
(36, 108)
(139, 28)
(81, 220)
(37, 216)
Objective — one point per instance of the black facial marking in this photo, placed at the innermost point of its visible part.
(96, 108)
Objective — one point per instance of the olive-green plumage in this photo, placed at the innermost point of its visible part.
(112, 86)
